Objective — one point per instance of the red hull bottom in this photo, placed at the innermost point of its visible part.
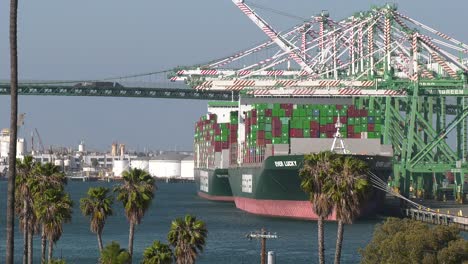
(216, 198)
(279, 208)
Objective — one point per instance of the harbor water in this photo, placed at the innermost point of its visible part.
(227, 229)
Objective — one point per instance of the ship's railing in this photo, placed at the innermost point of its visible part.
(244, 154)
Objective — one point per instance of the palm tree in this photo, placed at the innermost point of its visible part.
(98, 206)
(23, 200)
(136, 193)
(113, 254)
(10, 208)
(46, 177)
(54, 208)
(347, 190)
(315, 173)
(188, 236)
(157, 253)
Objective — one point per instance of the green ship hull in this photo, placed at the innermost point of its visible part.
(213, 184)
(272, 188)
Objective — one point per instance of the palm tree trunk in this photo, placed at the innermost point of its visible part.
(339, 242)
(25, 232)
(130, 239)
(51, 248)
(321, 247)
(43, 247)
(99, 239)
(30, 245)
(10, 222)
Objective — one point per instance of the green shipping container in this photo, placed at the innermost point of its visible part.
(378, 128)
(285, 141)
(323, 135)
(350, 120)
(275, 112)
(364, 120)
(363, 127)
(306, 124)
(323, 120)
(268, 135)
(330, 120)
(306, 133)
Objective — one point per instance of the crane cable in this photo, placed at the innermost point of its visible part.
(278, 12)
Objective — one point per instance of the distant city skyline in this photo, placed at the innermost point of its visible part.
(89, 39)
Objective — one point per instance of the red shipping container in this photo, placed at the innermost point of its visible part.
(253, 121)
(292, 133)
(323, 128)
(218, 146)
(357, 135)
(343, 119)
(254, 113)
(339, 107)
(363, 112)
(267, 141)
(261, 134)
(261, 142)
(350, 135)
(225, 145)
(288, 112)
(350, 129)
(315, 125)
(268, 112)
(371, 127)
(335, 118)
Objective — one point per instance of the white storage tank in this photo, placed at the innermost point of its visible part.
(58, 162)
(166, 165)
(20, 147)
(119, 166)
(81, 147)
(142, 164)
(187, 168)
(4, 148)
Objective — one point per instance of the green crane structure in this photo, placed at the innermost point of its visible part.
(415, 75)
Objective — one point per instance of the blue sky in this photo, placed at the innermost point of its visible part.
(90, 39)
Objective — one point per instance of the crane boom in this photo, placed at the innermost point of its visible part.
(273, 35)
(40, 140)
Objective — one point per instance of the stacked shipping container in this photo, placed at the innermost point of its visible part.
(211, 137)
(277, 123)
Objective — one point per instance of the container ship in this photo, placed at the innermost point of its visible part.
(264, 157)
(214, 134)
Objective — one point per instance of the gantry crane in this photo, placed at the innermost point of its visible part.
(414, 74)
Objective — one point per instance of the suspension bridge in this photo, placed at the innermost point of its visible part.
(415, 74)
